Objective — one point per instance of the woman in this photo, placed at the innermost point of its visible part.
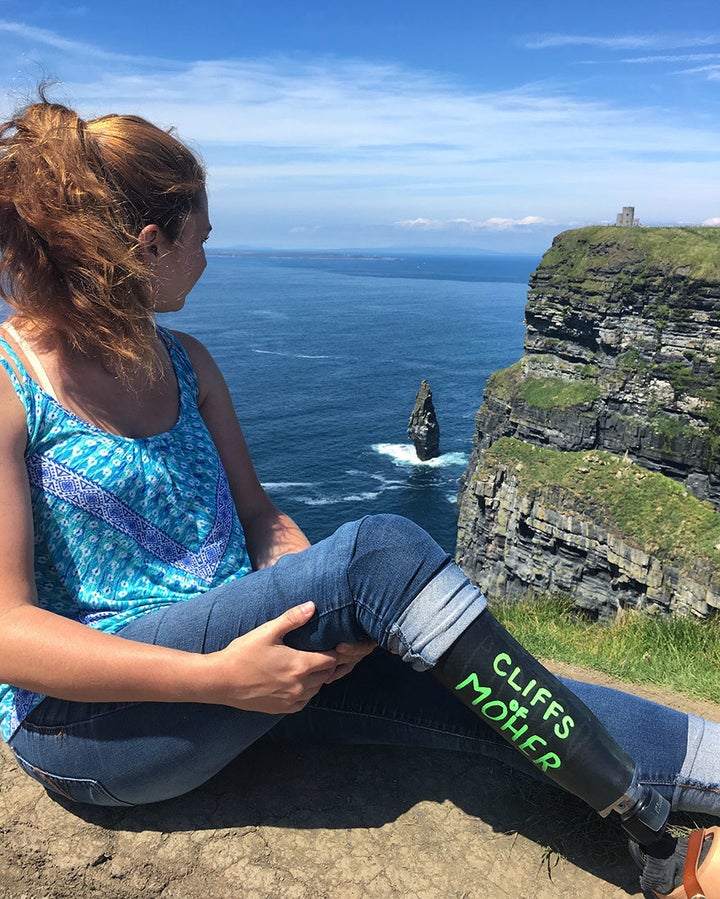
(158, 614)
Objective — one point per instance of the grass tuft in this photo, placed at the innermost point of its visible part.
(557, 393)
(675, 653)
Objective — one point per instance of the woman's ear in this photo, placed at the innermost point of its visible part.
(149, 242)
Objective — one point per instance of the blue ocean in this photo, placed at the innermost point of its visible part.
(324, 355)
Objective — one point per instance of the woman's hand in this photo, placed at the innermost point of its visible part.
(349, 654)
(259, 673)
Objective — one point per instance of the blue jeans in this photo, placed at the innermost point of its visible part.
(381, 577)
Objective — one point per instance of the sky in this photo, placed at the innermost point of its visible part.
(339, 124)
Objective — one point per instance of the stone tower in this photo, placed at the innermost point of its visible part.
(626, 218)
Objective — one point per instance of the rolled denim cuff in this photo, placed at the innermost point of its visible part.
(434, 620)
(697, 788)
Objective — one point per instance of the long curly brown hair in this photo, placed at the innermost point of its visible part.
(74, 196)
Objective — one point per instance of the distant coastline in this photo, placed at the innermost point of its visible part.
(301, 254)
(370, 253)
(389, 263)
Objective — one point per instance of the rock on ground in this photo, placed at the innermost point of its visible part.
(317, 822)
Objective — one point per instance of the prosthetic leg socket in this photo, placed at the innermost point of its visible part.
(494, 676)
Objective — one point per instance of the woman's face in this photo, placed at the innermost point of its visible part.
(178, 265)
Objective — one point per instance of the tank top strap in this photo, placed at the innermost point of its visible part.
(19, 376)
(187, 379)
(23, 381)
(32, 357)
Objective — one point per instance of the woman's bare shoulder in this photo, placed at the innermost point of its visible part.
(13, 423)
(198, 353)
(16, 530)
(206, 368)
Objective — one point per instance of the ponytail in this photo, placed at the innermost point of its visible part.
(74, 197)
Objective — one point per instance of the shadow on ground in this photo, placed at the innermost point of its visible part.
(326, 822)
(319, 821)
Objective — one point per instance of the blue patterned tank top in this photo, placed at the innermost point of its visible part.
(123, 526)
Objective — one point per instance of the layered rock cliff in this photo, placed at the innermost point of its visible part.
(621, 373)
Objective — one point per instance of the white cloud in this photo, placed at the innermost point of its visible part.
(712, 72)
(677, 57)
(658, 41)
(351, 143)
(421, 224)
(495, 223)
(358, 117)
(712, 222)
(371, 117)
(306, 229)
(45, 37)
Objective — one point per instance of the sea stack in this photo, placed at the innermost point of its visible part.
(423, 428)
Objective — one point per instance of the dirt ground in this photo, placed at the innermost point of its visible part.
(347, 822)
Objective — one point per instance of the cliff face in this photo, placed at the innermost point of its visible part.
(622, 359)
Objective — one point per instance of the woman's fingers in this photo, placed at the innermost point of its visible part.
(264, 674)
(349, 654)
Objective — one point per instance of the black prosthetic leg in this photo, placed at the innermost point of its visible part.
(491, 673)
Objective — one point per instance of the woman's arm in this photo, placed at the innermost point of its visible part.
(53, 655)
(42, 651)
(269, 533)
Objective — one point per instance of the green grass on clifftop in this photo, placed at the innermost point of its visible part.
(649, 510)
(557, 393)
(578, 253)
(680, 654)
(542, 393)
